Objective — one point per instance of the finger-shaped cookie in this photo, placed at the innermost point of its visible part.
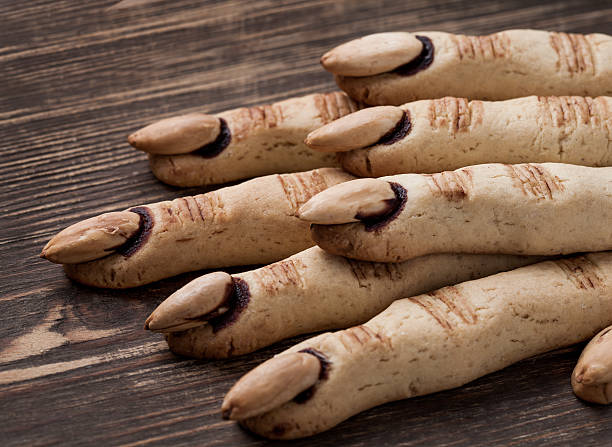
(387, 69)
(251, 223)
(443, 134)
(310, 291)
(592, 376)
(529, 209)
(199, 149)
(428, 343)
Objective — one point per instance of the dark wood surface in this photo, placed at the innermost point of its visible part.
(76, 367)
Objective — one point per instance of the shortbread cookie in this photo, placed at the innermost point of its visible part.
(529, 209)
(389, 69)
(425, 344)
(592, 376)
(250, 223)
(310, 291)
(199, 149)
(449, 133)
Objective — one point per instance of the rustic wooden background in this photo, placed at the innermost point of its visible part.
(76, 77)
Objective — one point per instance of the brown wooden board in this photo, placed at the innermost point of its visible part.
(76, 77)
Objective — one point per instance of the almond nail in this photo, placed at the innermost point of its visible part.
(349, 202)
(192, 305)
(355, 131)
(177, 135)
(373, 54)
(270, 385)
(92, 238)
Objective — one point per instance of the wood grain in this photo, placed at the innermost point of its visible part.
(75, 365)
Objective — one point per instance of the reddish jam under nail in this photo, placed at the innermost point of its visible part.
(394, 207)
(421, 62)
(138, 239)
(401, 129)
(237, 301)
(223, 140)
(323, 374)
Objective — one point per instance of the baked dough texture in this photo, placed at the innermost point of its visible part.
(504, 65)
(447, 338)
(450, 133)
(592, 376)
(314, 291)
(265, 140)
(528, 209)
(250, 223)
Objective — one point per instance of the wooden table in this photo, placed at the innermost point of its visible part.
(76, 367)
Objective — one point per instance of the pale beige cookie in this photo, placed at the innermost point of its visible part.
(251, 223)
(504, 65)
(198, 149)
(592, 376)
(310, 291)
(427, 343)
(449, 133)
(529, 209)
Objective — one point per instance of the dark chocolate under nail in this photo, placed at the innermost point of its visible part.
(237, 301)
(395, 206)
(401, 129)
(138, 239)
(223, 140)
(421, 62)
(323, 374)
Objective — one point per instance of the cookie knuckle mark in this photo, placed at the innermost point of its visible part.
(265, 117)
(434, 308)
(278, 275)
(248, 120)
(448, 307)
(392, 271)
(574, 53)
(362, 337)
(481, 48)
(360, 271)
(185, 207)
(455, 114)
(572, 112)
(300, 187)
(365, 272)
(535, 181)
(453, 185)
(211, 204)
(582, 272)
(202, 206)
(457, 304)
(331, 106)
